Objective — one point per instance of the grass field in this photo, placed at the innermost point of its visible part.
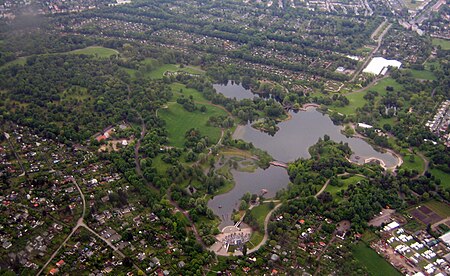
(260, 213)
(158, 73)
(98, 51)
(357, 99)
(255, 239)
(179, 89)
(345, 182)
(418, 164)
(445, 44)
(179, 121)
(443, 176)
(422, 74)
(374, 263)
(439, 208)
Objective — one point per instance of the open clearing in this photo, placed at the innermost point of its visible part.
(158, 73)
(356, 99)
(374, 263)
(179, 121)
(260, 213)
(443, 176)
(333, 190)
(97, 51)
(417, 164)
(422, 74)
(445, 44)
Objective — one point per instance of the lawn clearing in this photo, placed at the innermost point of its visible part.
(255, 239)
(179, 121)
(260, 213)
(416, 163)
(357, 99)
(181, 89)
(445, 44)
(374, 263)
(97, 51)
(422, 74)
(333, 190)
(158, 73)
(443, 176)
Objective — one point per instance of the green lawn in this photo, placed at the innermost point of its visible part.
(357, 99)
(443, 176)
(445, 44)
(98, 51)
(158, 73)
(440, 208)
(374, 263)
(418, 164)
(260, 213)
(179, 121)
(255, 239)
(422, 74)
(180, 89)
(333, 190)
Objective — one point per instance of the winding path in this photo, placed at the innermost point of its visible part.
(266, 232)
(80, 223)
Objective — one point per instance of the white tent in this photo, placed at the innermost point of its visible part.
(379, 65)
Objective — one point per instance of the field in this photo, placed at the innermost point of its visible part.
(260, 213)
(374, 263)
(417, 164)
(356, 99)
(445, 44)
(158, 73)
(97, 51)
(179, 121)
(180, 89)
(430, 212)
(333, 190)
(422, 74)
(443, 176)
(440, 208)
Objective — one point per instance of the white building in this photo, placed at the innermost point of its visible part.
(379, 65)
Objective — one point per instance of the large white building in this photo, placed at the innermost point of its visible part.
(380, 65)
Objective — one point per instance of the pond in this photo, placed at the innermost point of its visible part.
(233, 90)
(303, 130)
(291, 142)
(272, 179)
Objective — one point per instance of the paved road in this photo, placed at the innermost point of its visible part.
(369, 58)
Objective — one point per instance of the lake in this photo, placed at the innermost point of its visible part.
(272, 179)
(291, 142)
(232, 90)
(298, 134)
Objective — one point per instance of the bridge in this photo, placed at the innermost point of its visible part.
(279, 164)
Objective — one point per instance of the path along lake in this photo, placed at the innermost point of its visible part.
(291, 142)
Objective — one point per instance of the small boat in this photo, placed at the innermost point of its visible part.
(220, 206)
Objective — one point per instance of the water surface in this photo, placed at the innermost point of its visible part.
(232, 90)
(272, 179)
(303, 130)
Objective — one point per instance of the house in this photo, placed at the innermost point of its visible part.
(181, 264)
(54, 271)
(60, 263)
(274, 257)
